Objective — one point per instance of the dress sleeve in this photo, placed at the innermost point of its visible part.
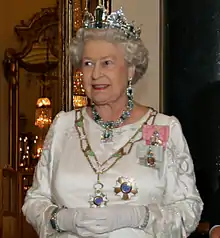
(38, 204)
(179, 214)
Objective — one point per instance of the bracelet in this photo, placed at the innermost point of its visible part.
(146, 218)
(53, 219)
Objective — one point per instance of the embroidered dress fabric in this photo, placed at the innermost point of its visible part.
(63, 177)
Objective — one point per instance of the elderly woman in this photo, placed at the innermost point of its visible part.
(116, 169)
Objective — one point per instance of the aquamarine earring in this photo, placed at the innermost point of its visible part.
(129, 89)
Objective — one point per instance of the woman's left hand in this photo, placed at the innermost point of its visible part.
(114, 217)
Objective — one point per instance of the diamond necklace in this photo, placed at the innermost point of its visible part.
(108, 126)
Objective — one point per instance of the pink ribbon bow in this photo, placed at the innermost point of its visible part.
(155, 134)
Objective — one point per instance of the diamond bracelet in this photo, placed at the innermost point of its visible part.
(53, 219)
(146, 219)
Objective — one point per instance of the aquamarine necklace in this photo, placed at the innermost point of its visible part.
(107, 134)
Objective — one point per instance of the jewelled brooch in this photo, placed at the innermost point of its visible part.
(125, 187)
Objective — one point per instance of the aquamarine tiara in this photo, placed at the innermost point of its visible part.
(116, 20)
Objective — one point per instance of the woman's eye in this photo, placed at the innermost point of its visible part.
(87, 63)
(108, 62)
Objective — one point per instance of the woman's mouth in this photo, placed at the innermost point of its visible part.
(100, 86)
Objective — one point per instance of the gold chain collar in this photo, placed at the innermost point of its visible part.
(88, 152)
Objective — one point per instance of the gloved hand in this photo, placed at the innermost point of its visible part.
(71, 220)
(114, 217)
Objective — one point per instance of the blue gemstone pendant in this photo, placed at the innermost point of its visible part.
(99, 199)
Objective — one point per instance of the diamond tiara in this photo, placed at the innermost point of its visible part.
(115, 20)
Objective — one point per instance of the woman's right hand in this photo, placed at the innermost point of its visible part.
(73, 220)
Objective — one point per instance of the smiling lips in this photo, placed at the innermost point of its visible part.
(100, 86)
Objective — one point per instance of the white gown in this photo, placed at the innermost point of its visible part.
(64, 177)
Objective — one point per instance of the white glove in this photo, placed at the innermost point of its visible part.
(108, 219)
(70, 220)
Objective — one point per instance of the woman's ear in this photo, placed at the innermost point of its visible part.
(131, 71)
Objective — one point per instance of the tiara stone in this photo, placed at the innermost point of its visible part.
(116, 20)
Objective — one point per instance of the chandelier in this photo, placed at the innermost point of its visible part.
(43, 113)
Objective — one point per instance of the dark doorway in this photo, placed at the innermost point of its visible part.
(192, 83)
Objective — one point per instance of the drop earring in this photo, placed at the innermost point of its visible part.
(129, 89)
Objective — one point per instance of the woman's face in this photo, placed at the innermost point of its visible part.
(105, 72)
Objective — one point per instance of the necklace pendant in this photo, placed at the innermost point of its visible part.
(98, 199)
(107, 136)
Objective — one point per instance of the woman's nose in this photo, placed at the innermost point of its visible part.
(96, 73)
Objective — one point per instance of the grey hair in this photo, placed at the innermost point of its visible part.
(136, 53)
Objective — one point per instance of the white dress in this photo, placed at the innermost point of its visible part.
(64, 177)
